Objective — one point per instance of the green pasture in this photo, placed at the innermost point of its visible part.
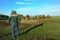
(44, 31)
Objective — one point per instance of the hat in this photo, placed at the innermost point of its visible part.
(13, 12)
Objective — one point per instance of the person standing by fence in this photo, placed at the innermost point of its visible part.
(14, 19)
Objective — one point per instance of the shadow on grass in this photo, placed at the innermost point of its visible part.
(28, 30)
(25, 31)
(11, 33)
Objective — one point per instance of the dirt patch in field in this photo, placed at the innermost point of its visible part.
(28, 22)
(4, 24)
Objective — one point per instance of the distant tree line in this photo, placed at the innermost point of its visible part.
(28, 17)
(3, 17)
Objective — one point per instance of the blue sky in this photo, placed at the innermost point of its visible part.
(31, 7)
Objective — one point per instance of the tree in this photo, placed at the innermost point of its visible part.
(48, 16)
(43, 16)
(3, 17)
(28, 17)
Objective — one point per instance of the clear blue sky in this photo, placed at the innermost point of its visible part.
(31, 7)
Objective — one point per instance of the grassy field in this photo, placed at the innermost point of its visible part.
(44, 29)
